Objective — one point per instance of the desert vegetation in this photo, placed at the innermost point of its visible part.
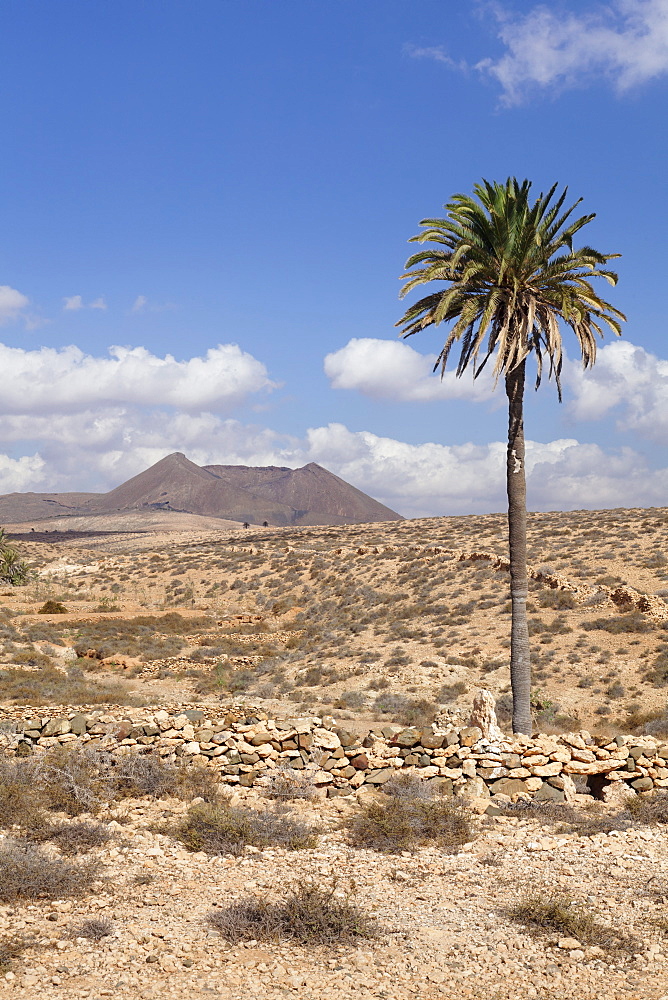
(374, 625)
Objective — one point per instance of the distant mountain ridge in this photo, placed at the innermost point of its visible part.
(307, 496)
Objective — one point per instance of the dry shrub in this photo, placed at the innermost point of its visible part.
(218, 828)
(83, 780)
(50, 686)
(29, 872)
(94, 928)
(21, 802)
(558, 599)
(630, 622)
(10, 949)
(148, 775)
(289, 783)
(73, 781)
(409, 821)
(308, 914)
(649, 809)
(78, 837)
(562, 915)
(52, 608)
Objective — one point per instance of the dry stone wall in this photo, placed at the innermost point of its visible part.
(250, 750)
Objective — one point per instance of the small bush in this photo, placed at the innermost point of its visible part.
(406, 711)
(448, 692)
(308, 915)
(52, 608)
(560, 914)
(21, 803)
(650, 810)
(408, 822)
(28, 872)
(631, 622)
(289, 783)
(52, 687)
(94, 928)
(10, 949)
(77, 838)
(73, 781)
(218, 828)
(559, 599)
(148, 775)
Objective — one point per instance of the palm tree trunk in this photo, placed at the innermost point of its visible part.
(520, 660)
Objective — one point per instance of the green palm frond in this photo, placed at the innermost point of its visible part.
(511, 278)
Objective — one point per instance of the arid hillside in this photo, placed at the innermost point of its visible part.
(394, 620)
(170, 823)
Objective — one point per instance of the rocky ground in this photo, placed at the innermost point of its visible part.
(448, 931)
(369, 623)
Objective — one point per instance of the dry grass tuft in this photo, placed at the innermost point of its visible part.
(308, 915)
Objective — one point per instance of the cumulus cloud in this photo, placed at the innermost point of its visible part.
(99, 303)
(432, 478)
(625, 42)
(139, 303)
(12, 304)
(53, 381)
(17, 475)
(626, 379)
(97, 451)
(391, 369)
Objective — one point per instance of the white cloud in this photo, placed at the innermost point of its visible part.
(12, 304)
(430, 478)
(628, 379)
(391, 369)
(139, 303)
(625, 42)
(20, 474)
(73, 303)
(434, 52)
(54, 381)
(90, 450)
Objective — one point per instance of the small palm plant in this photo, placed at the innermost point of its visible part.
(12, 569)
(509, 277)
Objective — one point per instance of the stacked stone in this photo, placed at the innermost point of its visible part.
(246, 749)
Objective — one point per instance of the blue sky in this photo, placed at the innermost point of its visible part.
(178, 178)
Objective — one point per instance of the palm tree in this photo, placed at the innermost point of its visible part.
(510, 277)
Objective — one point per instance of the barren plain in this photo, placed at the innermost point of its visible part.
(371, 624)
